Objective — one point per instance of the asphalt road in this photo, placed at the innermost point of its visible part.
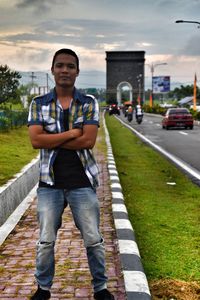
(181, 143)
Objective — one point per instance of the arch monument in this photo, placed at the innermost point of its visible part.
(125, 68)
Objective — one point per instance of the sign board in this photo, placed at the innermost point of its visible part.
(161, 84)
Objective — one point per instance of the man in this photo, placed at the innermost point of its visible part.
(63, 124)
(138, 110)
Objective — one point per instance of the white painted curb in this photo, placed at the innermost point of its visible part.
(136, 285)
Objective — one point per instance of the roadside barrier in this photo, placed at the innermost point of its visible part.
(135, 280)
(15, 190)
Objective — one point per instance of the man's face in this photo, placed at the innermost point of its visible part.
(65, 70)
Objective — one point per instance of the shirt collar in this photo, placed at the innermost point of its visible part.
(52, 96)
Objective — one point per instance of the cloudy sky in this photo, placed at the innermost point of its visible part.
(32, 30)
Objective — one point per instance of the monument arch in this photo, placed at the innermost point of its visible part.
(125, 67)
(119, 92)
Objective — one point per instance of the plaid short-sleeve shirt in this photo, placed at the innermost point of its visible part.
(46, 111)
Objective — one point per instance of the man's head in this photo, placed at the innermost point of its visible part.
(65, 51)
(65, 68)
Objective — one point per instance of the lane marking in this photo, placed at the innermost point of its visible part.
(183, 133)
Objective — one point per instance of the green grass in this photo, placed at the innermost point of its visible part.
(16, 151)
(165, 217)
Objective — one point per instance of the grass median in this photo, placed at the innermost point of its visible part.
(16, 151)
(163, 207)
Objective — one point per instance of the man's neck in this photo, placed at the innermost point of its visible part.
(65, 96)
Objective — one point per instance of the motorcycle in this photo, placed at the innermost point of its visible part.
(139, 118)
(130, 117)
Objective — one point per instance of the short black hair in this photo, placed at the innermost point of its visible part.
(65, 51)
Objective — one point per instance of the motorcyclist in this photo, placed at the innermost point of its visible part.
(138, 110)
(130, 113)
(138, 113)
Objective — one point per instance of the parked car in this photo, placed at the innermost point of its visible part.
(177, 117)
(114, 109)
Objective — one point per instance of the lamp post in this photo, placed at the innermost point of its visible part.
(183, 21)
(152, 68)
(139, 77)
(195, 78)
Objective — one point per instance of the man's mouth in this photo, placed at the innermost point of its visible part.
(65, 78)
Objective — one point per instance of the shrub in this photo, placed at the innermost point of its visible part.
(4, 123)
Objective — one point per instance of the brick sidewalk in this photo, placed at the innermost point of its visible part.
(72, 278)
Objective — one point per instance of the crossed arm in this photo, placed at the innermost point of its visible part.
(74, 139)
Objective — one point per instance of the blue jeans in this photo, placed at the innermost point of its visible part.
(84, 205)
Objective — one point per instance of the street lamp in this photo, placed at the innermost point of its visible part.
(139, 78)
(183, 21)
(152, 68)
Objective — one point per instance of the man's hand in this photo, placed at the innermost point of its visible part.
(76, 132)
(85, 141)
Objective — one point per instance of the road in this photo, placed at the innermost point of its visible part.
(181, 143)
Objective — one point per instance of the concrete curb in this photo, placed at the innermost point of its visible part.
(16, 189)
(14, 218)
(135, 280)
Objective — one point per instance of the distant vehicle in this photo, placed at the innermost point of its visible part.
(130, 113)
(177, 117)
(125, 107)
(114, 109)
(139, 119)
(167, 105)
(138, 113)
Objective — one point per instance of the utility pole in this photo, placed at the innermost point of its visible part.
(152, 68)
(32, 80)
(47, 76)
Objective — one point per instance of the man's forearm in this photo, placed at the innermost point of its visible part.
(44, 140)
(79, 143)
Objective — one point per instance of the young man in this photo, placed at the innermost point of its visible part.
(63, 124)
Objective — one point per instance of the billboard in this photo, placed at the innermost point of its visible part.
(161, 84)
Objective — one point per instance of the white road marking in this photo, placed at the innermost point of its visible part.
(182, 132)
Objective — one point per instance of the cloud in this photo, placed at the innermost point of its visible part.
(87, 33)
(192, 47)
(38, 4)
(32, 30)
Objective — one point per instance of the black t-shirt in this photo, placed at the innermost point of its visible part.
(68, 169)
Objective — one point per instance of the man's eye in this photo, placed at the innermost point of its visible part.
(59, 65)
(71, 66)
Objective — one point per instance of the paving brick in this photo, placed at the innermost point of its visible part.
(72, 278)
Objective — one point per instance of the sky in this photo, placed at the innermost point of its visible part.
(32, 30)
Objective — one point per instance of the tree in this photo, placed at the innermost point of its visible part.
(9, 82)
(183, 92)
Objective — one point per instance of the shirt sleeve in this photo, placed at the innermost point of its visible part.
(35, 115)
(91, 112)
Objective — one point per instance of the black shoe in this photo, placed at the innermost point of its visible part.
(41, 294)
(103, 295)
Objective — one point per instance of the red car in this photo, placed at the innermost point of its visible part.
(177, 117)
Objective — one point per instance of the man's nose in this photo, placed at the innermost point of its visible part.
(65, 68)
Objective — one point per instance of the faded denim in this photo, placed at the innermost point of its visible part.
(84, 205)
